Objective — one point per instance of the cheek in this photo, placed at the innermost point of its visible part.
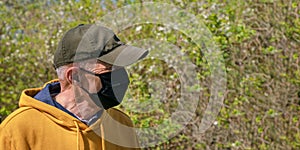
(95, 85)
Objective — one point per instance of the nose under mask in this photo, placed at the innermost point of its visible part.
(114, 87)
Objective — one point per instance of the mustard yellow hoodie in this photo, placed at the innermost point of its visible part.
(39, 126)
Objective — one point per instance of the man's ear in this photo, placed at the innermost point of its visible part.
(72, 75)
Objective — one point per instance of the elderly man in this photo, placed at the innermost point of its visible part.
(76, 110)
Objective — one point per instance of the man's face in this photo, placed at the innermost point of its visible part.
(86, 83)
(95, 87)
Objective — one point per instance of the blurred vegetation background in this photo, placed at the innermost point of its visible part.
(260, 42)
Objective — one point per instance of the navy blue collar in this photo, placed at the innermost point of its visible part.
(51, 90)
(47, 93)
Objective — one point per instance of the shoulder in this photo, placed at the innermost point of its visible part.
(120, 116)
(118, 113)
(20, 128)
(21, 116)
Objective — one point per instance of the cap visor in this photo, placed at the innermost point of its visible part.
(124, 55)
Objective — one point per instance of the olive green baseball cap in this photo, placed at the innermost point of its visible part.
(95, 41)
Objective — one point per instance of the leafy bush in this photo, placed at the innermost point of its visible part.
(259, 41)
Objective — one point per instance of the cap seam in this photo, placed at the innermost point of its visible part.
(107, 30)
(106, 45)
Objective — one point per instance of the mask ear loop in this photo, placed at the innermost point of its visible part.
(98, 75)
(89, 72)
(77, 83)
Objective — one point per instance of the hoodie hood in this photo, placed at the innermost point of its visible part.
(56, 115)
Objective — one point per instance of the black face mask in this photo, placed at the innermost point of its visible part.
(114, 87)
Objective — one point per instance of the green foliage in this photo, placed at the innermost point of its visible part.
(259, 41)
